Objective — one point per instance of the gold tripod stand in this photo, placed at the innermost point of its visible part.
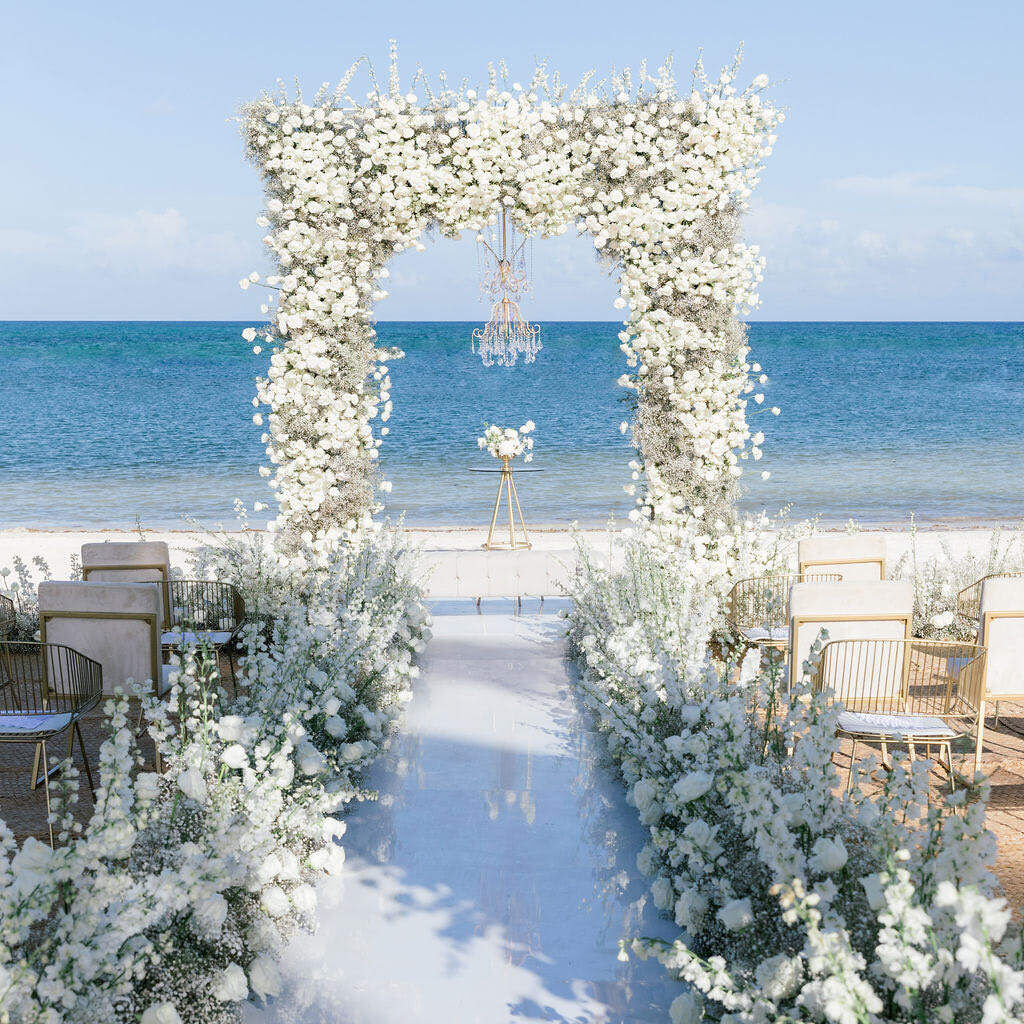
(507, 484)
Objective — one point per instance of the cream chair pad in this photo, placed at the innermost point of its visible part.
(1001, 633)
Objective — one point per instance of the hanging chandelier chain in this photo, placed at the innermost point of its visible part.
(505, 278)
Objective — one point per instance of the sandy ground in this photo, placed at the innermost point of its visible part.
(57, 546)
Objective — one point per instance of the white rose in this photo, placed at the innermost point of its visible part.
(230, 985)
(210, 912)
(311, 761)
(264, 977)
(249, 334)
(686, 1009)
(692, 786)
(235, 756)
(736, 914)
(161, 1013)
(331, 706)
(827, 855)
(779, 976)
(230, 728)
(690, 909)
(662, 892)
(336, 727)
(193, 784)
(147, 785)
(275, 901)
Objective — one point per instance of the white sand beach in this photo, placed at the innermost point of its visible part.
(58, 546)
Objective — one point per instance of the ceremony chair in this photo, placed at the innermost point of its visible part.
(127, 562)
(904, 691)
(757, 608)
(1001, 633)
(968, 600)
(8, 617)
(45, 689)
(854, 557)
(204, 612)
(115, 624)
(878, 610)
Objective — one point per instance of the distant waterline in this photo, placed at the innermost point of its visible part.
(106, 422)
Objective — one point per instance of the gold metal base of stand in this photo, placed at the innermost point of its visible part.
(507, 484)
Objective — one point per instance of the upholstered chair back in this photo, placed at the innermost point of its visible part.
(145, 561)
(854, 557)
(877, 610)
(1001, 633)
(116, 624)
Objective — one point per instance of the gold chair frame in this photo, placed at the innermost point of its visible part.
(761, 602)
(191, 602)
(803, 620)
(938, 679)
(41, 679)
(141, 567)
(968, 600)
(827, 563)
(8, 617)
(156, 664)
(989, 695)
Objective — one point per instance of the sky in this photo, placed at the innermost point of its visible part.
(895, 191)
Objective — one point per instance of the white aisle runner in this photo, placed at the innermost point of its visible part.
(495, 877)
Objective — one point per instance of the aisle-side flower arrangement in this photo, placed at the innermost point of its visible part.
(171, 903)
(794, 904)
(939, 579)
(507, 442)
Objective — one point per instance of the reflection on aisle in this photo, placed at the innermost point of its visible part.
(495, 876)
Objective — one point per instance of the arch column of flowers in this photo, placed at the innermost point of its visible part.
(657, 179)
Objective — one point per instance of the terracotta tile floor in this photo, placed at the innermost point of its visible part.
(1002, 760)
(1003, 764)
(24, 809)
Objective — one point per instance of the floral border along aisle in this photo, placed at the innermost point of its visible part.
(173, 900)
(794, 903)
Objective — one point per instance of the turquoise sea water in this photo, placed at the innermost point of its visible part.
(103, 422)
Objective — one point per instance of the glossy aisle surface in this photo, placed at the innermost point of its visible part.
(496, 875)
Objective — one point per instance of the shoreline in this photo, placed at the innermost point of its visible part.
(57, 546)
(821, 524)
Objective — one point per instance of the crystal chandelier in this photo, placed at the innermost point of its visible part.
(504, 281)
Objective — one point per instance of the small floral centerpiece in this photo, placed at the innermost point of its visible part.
(507, 442)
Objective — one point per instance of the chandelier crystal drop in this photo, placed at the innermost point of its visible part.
(505, 280)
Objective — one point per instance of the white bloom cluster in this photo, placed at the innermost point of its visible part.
(507, 442)
(939, 579)
(796, 903)
(656, 178)
(172, 903)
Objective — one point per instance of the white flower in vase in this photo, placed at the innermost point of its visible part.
(507, 442)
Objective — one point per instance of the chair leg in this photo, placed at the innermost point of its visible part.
(981, 734)
(35, 767)
(949, 762)
(885, 755)
(995, 717)
(46, 790)
(853, 765)
(231, 667)
(85, 758)
(911, 751)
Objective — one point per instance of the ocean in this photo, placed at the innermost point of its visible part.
(106, 424)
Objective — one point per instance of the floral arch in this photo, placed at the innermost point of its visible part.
(657, 179)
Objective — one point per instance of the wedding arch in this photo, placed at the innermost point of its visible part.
(657, 179)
